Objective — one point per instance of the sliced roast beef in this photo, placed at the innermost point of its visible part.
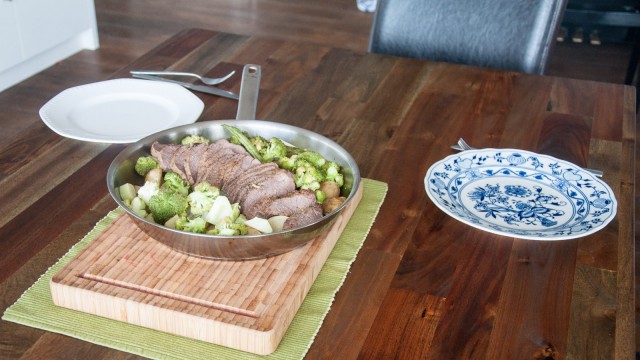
(225, 166)
(177, 161)
(304, 217)
(257, 183)
(213, 169)
(262, 190)
(238, 149)
(286, 205)
(234, 189)
(192, 161)
(163, 153)
(276, 184)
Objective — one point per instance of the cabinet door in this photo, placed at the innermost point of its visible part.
(10, 49)
(44, 24)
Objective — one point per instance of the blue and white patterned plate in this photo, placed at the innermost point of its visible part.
(520, 194)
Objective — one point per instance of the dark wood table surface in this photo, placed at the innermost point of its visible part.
(424, 285)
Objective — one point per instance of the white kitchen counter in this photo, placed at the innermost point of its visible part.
(35, 34)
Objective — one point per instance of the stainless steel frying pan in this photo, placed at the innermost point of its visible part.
(244, 247)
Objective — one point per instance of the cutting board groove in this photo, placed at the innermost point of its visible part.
(247, 305)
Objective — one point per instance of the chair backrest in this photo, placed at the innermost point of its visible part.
(503, 34)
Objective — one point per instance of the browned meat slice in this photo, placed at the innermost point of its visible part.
(274, 184)
(177, 162)
(234, 189)
(192, 161)
(238, 149)
(213, 169)
(163, 153)
(304, 217)
(214, 158)
(286, 205)
(204, 164)
(235, 165)
(172, 157)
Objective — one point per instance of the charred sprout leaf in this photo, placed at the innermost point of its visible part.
(243, 140)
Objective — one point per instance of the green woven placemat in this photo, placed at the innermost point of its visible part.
(35, 307)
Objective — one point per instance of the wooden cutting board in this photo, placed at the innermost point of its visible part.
(247, 305)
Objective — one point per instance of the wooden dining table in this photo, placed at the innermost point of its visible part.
(424, 285)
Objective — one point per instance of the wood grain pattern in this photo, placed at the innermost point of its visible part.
(593, 305)
(247, 305)
(482, 295)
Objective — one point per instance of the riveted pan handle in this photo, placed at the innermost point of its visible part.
(249, 88)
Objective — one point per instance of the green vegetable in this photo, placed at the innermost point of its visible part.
(138, 204)
(127, 192)
(275, 150)
(191, 140)
(202, 197)
(259, 142)
(175, 183)
(144, 164)
(292, 150)
(306, 176)
(240, 219)
(320, 196)
(195, 225)
(165, 204)
(288, 162)
(230, 228)
(241, 138)
(235, 211)
(234, 139)
(313, 157)
(332, 173)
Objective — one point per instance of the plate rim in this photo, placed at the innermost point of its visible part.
(581, 170)
(193, 112)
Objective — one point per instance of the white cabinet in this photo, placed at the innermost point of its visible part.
(35, 34)
(10, 48)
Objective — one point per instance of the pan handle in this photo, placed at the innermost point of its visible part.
(249, 88)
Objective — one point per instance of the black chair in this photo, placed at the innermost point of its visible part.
(502, 34)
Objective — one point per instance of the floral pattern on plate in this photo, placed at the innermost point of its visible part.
(520, 194)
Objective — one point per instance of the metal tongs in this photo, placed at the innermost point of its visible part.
(463, 146)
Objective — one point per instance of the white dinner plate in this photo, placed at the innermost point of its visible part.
(120, 110)
(520, 194)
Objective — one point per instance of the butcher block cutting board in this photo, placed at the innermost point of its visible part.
(246, 305)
